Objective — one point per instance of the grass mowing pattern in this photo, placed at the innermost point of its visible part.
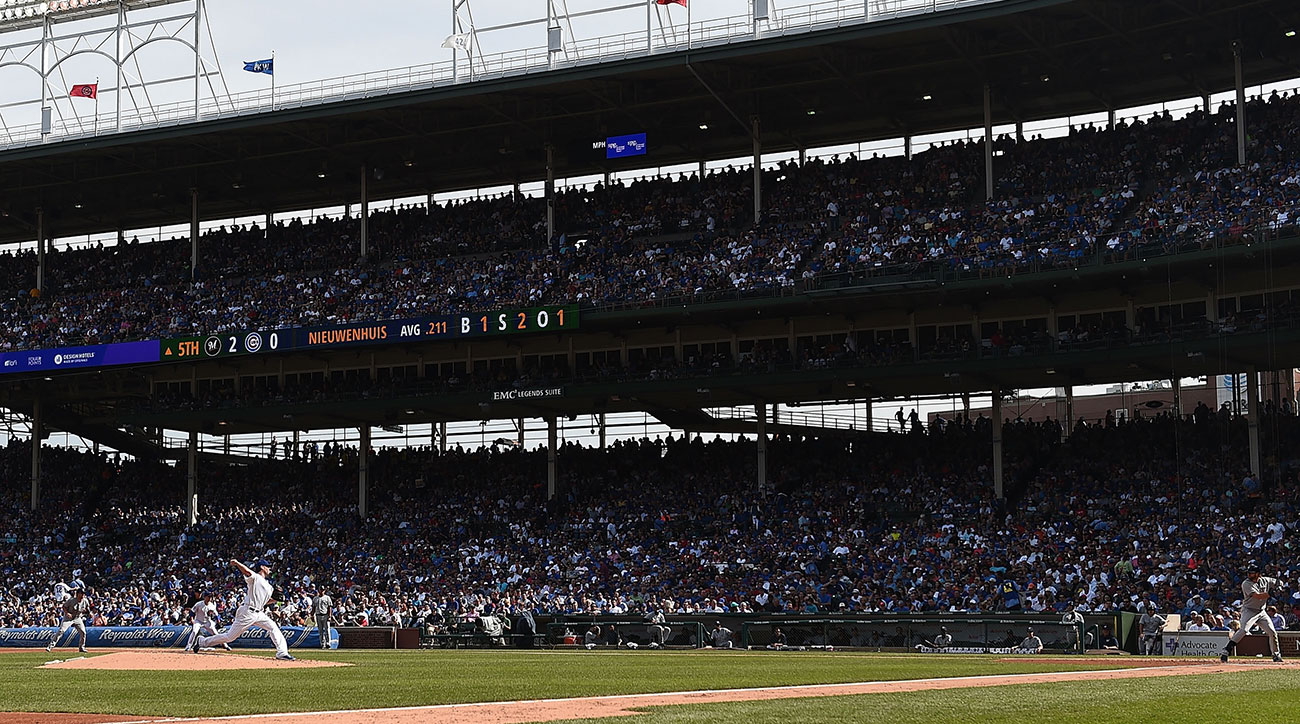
(409, 678)
(1265, 696)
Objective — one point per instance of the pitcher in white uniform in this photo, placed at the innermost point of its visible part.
(206, 623)
(252, 612)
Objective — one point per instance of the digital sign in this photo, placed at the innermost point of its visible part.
(225, 344)
(455, 326)
(71, 358)
(624, 146)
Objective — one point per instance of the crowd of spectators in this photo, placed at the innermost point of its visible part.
(1153, 185)
(1118, 516)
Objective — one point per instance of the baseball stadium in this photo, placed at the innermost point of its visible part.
(474, 361)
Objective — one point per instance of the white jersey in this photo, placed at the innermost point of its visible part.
(62, 592)
(258, 594)
(204, 613)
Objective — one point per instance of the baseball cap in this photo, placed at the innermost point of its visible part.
(263, 562)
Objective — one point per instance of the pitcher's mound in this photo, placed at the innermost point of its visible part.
(183, 661)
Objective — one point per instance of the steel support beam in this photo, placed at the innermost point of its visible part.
(998, 490)
(36, 453)
(194, 233)
(40, 250)
(761, 409)
(192, 480)
(758, 171)
(552, 438)
(1252, 421)
(988, 142)
(1241, 106)
(365, 211)
(363, 475)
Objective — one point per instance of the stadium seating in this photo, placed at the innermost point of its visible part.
(1152, 187)
(1117, 514)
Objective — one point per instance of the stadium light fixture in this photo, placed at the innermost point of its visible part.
(927, 97)
(320, 175)
(704, 126)
(1290, 33)
(811, 111)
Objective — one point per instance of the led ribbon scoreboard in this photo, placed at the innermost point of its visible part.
(424, 329)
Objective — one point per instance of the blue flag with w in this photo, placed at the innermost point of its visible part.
(260, 66)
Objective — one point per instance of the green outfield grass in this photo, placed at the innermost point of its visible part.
(1248, 697)
(409, 678)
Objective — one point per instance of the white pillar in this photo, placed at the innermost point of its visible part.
(365, 211)
(363, 477)
(191, 480)
(761, 409)
(997, 445)
(552, 438)
(988, 142)
(1252, 421)
(1241, 105)
(36, 453)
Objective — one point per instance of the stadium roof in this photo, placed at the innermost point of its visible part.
(1041, 59)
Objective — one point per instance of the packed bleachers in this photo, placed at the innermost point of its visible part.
(1120, 514)
(1155, 186)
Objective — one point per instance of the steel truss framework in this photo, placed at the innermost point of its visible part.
(562, 41)
(118, 35)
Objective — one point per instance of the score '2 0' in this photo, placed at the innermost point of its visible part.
(517, 321)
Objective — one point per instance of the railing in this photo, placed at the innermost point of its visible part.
(824, 15)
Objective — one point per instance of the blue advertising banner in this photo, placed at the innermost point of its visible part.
(162, 637)
(622, 146)
(71, 358)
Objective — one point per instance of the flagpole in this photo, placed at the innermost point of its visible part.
(272, 80)
(688, 24)
(96, 131)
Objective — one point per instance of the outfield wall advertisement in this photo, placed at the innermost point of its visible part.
(161, 637)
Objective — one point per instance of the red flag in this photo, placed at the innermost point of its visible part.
(86, 90)
(671, 2)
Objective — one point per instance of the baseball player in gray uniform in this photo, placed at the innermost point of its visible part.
(1255, 592)
(75, 610)
(321, 605)
(1151, 624)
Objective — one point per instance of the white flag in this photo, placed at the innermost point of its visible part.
(458, 41)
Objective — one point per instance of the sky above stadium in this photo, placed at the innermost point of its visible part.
(321, 39)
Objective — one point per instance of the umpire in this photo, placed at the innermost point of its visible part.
(321, 605)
